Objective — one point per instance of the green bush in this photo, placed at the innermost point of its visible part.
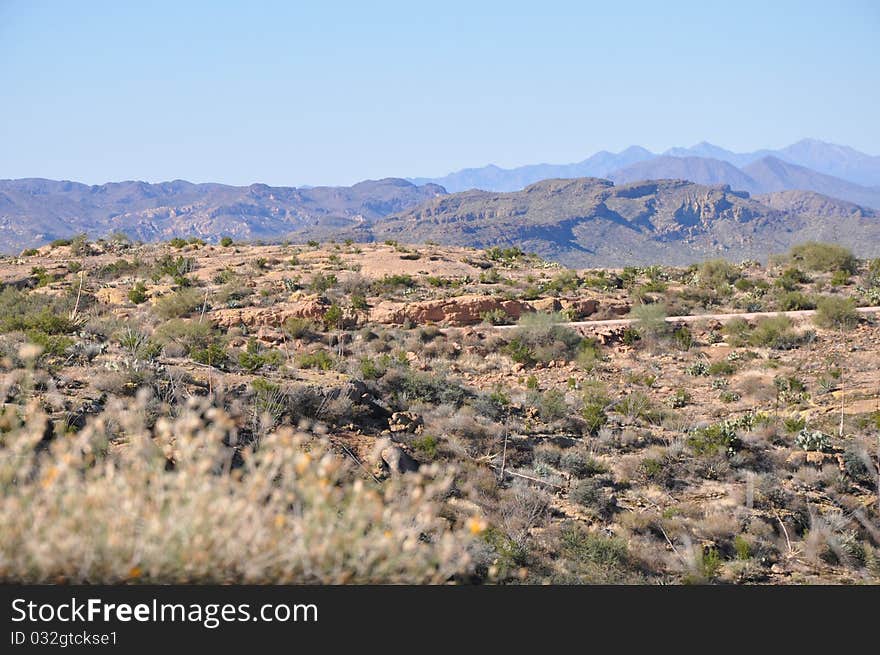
(188, 334)
(717, 273)
(824, 257)
(836, 312)
(138, 293)
(777, 332)
(795, 300)
(551, 405)
(680, 398)
(212, 355)
(719, 437)
(426, 446)
(594, 548)
(255, 357)
(580, 464)
(542, 337)
(20, 311)
(591, 495)
(370, 370)
(721, 367)
(226, 241)
(393, 282)
(320, 359)
(650, 320)
(179, 304)
(333, 317)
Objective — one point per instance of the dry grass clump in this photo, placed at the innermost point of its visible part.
(117, 502)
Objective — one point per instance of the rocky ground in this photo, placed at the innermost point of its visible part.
(717, 451)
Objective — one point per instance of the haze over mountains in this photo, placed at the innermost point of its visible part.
(610, 209)
(810, 165)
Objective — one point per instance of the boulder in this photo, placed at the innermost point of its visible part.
(581, 308)
(397, 461)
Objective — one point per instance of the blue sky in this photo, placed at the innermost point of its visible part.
(292, 93)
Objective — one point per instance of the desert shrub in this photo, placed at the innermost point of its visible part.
(650, 319)
(791, 278)
(547, 453)
(721, 367)
(636, 405)
(551, 405)
(504, 255)
(138, 293)
(680, 398)
(298, 328)
(393, 282)
(496, 316)
(53, 345)
(426, 446)
(580, 464)
(23, 312)
(566, 280)
(226, 241)
(429, 389)
(682, 338)
(840, 278)
(213, 354)
(333, 317)
(177, 242)
(190, 335)
(182, 302)
(254, 357)
(358, 302)
(777, 332)
(79, 245)
(716, 273)
(793, 424)
(541, 337)
(591, 494)
(175, 267)
(836, 312)
(519, 352)
(858, 466)
(594, 548)
(719, 437)
(824, 257)
(117, 269)
(737, 331)
(795, 300)
(370, 369)
(298, 513)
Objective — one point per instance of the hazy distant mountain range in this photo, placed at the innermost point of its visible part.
(810, 165)
(684, 205)
(36, 211)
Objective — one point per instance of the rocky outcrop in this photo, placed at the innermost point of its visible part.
(252, 317)
(461, 311)
(405, 422)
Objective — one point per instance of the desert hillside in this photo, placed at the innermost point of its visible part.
(344, 412)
